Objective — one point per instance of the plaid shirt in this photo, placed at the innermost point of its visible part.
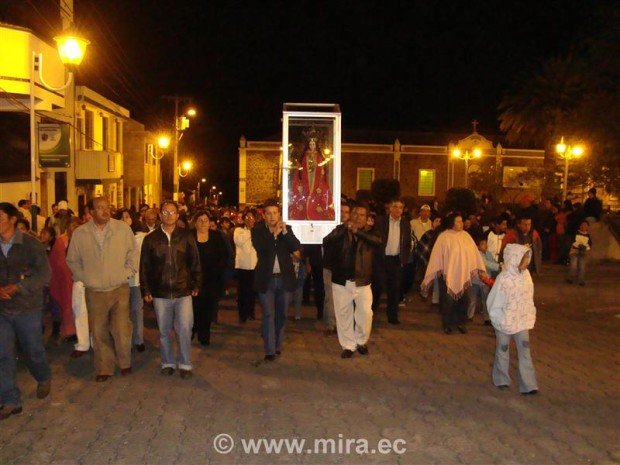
(424, 246)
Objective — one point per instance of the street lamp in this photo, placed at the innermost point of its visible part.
(180, 124)
(163, 142)
(467, 155)
(568, 152)
(184, 167)
(71, 49)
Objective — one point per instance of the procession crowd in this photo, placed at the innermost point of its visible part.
(90, 273)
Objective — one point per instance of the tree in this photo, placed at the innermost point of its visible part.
(575, 95)
(462, 200)
(384, 190)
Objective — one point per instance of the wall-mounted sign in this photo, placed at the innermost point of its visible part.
(54, 145)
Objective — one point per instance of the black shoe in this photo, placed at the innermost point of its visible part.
(78, 353)
(278, 352)
(204, 341)
(43, 389)
(330, 332)
(185, 374)
(72, 339)
(487, 323)
(168, 371)
(7, 410)
(530, 393)
(102, 378)
(346, 353)
(125, 371)
(393, 322)
(270, 358)
(447, 330)
(503, 386)
(462, 329)
(363, 349)
(140, 347)
(569, 281)
(582, 284)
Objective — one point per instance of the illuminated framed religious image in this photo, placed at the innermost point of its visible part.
(311, 169)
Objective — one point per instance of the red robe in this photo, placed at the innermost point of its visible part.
(61, 284)
(311, 202)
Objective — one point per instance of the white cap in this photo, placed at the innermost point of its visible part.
(63, 205)
(425, 207)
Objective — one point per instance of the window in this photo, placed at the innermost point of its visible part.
(426, 183)
(89, 130)
(119, 135)
(79, 136)
(105, 133)
(365, 177)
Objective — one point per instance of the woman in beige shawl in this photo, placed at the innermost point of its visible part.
(455, 261)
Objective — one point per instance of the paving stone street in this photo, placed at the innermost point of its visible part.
(428, 389)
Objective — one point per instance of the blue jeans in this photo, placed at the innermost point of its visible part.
(478, 291)
(26, 328)
(275, 302)
(527, 374)
(137, 315)
(177, 314)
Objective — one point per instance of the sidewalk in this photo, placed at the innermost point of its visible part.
(431, 390)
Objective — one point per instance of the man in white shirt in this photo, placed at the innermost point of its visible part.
(245, 262)
(419, 226)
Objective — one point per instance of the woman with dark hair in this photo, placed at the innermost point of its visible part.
(455, 261)
(310, 197)
(135, 295)
(213, 257)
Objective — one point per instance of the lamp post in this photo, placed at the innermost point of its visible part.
(71, 49)
(180, 124)
(467, 155)
(203, 180)
(567, 152)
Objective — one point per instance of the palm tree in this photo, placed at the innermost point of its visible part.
(542, 106)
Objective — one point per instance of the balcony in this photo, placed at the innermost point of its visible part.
(98, 165)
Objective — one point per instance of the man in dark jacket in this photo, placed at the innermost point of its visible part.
(170, 276)
(349, 249)
(395, 233)
(24, 272)
(274, 276)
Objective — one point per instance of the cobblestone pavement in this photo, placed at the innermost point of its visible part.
(431, 390)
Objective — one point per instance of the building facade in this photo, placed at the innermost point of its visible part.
(426, 170)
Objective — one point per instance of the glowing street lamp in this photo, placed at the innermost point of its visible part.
(467, 155)
(568, 152)
(185, 167)
(71, 49)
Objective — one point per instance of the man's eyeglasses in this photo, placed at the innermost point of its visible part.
(168, 213)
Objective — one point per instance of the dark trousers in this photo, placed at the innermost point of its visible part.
(393, 281)
(205, 308)
(315, 279)
(453, 312)
(246, 298)
(408, 277)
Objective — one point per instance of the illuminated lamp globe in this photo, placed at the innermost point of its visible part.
(477, 153)
(191, 112)
(71, 48)
(578, 151)
(456, 153)
(163, 142)
(186, 165)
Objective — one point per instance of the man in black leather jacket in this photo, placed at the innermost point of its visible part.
(170, 276)
(350, 250)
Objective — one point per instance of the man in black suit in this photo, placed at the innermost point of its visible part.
(274, 275)
(395, 233)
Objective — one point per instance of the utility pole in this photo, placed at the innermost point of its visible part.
(177, 137)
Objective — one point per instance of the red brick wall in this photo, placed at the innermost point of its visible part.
(382, 163)
(262, 176)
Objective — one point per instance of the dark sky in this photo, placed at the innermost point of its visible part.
(407, 66)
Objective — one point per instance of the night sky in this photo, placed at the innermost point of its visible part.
(405, 66)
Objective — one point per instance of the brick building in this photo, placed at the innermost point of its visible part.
(423, 163)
